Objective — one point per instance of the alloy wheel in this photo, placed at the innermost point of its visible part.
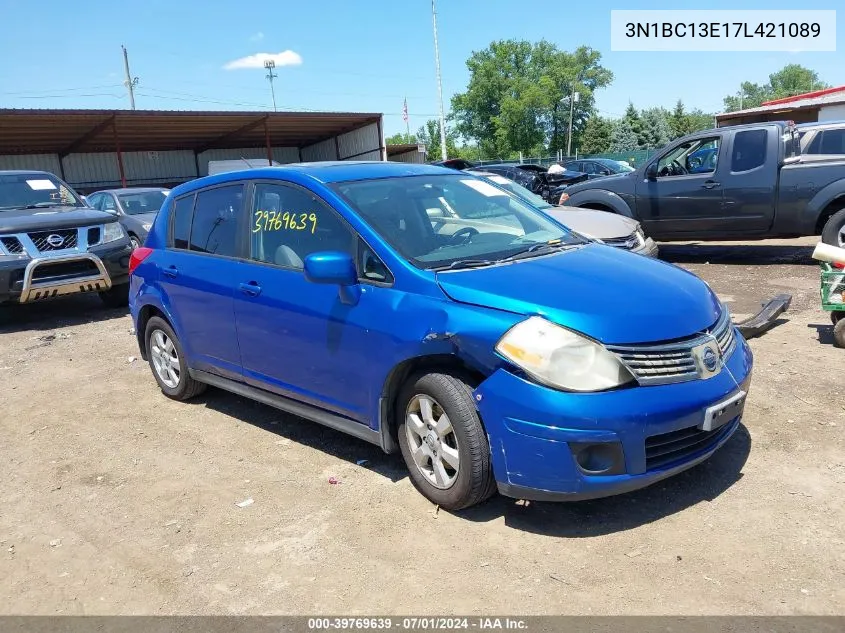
(432, 440)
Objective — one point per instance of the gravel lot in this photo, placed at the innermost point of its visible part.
(116, 500)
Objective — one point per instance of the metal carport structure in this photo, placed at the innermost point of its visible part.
(93, 149)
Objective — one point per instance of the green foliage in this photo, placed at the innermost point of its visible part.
(656, 130)
(623, 137)
(429, 135)
(595, 138)
(518, 96)
(400, 139)
(791, 80)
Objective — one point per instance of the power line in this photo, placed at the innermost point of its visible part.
(55, 90)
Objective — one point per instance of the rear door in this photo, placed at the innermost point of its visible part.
(680, 202)
(198, 276)
(750, 186)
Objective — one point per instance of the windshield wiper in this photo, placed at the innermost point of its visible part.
(551, 246)
(42, 205)
(467, 263)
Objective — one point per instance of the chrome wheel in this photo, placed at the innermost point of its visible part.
(840, 237)
(432, 441)
(165, 359)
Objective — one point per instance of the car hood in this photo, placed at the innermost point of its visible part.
(21, 220)
(592, 223)
(606, 293)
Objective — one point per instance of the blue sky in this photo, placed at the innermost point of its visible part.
(356, 55)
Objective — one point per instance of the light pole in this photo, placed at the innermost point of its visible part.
(439, 84)
(573, 99)
(270, 65)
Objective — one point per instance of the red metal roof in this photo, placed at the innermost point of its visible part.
(806, 95)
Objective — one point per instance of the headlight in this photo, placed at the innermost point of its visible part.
(147, 225)
(561, 358)
(640, 234)
(112, 231)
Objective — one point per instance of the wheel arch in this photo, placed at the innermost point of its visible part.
(602, 200)
(398, 377)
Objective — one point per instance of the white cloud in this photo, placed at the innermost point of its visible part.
(257, 37)
(285, 58)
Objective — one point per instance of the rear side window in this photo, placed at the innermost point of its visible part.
(182, 221)
(749, 150)
(833, 142)
(214, 228)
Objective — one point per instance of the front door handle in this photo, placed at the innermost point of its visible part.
(170, 271)
(710, 184)
(251, 289)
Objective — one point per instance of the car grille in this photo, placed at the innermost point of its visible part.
(68, 270)
(628, 243)
(674, 362)
(666, 448)
(42, 240)
(94, 236)
(12, 244)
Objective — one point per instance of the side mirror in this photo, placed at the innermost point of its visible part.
(336, 268)
(651, 171)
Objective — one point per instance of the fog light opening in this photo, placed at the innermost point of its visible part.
(604, 458)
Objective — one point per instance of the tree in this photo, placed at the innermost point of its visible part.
(519, 93)
(656, 130)
(595, 139)
(791, 80)
(429, 135)
(632, 117)
(623, 138)
(682, 122)
(400, 139)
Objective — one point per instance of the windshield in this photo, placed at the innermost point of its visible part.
(142, 202)
(453, 221)
(515, 188)
(22, 191)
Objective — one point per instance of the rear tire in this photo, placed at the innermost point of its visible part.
(839, 333)
(116, 296)
(443, 441)
(167, 361)
(833, 232)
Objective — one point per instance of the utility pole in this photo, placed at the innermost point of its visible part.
(270, 65)
(573, 99)
(130, 82)
(741, 95)
(439, 84)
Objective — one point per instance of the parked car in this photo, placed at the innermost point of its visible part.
(135, 207)
(52, 244)
(537, 178)
(610, 228)
(454, 163)
(824, 137)
(597, 167)
(760, 186)
(490, 360)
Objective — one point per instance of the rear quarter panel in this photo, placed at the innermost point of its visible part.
(806, 189)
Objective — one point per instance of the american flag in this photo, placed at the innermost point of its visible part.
(405, 111)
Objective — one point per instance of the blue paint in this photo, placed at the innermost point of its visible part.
(326, 338)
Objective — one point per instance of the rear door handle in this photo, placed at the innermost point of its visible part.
(710, 184)
(171, 271)
(251, 289)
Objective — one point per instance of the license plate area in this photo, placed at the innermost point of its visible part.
(723, 412)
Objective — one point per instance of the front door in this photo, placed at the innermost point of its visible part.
(298, 338)
(198, 277)
(686, 197)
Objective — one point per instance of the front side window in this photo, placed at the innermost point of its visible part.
(749, 150)
(33, 191)
(289, 223)
(214, 227)
(699, 156)
(441, 221)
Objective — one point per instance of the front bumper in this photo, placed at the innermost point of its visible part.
(530, 428)
(35, 279)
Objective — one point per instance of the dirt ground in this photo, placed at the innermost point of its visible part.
(116, 500)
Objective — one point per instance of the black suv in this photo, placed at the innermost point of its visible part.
(53, 244)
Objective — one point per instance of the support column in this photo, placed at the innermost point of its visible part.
(267, 142)
(119, 154)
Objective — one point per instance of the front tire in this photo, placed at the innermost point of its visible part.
(443, 441)
(839, 333)
(134, 241)
(116, 296)
(833, 232)
(167, 361)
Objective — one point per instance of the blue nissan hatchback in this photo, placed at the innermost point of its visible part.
(430, 312)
